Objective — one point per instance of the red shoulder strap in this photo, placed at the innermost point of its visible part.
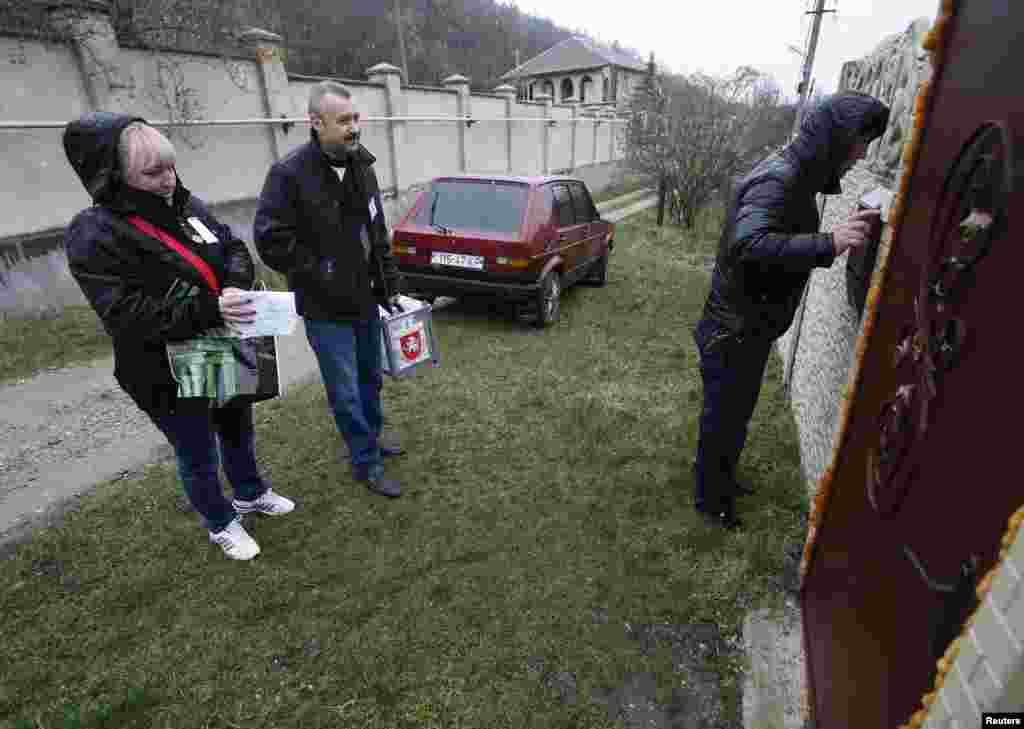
(198, 263)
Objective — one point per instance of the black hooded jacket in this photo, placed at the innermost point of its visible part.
(770, 241)
(317, 229)
(145, 293)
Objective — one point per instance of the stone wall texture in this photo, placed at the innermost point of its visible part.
(825, 339)
(826, 332)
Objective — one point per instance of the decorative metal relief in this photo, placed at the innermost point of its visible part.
(970, 217)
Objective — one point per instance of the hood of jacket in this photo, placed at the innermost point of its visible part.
(90, 142)
(91, 145)
(829, 131)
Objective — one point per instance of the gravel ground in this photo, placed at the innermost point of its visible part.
(62, 432)
(74, 427)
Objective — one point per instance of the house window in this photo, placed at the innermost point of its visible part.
(567, 89)
(585, 85)
(604, 90)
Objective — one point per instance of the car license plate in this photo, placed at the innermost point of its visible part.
(457, 259)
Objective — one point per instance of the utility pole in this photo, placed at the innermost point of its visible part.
(401, 39)
(805, 76)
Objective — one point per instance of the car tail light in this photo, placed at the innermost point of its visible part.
(513, 262)
(401, 248)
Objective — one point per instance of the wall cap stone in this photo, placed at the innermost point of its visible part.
(97, 6)
(384, 68)
(258, 35)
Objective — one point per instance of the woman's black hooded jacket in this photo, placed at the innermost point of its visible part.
(145, 293)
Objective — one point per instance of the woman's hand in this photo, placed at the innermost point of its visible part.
(236, 306)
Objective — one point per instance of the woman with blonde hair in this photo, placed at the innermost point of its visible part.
(157, 267)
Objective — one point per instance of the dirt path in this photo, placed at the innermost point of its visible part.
(64, 431)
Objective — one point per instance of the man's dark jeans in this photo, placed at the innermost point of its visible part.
(732, 369)
(349, 357)
(201, 438)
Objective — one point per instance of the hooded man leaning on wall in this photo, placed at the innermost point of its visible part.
(769, 245)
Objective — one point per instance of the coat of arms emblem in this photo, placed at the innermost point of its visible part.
(411, 345)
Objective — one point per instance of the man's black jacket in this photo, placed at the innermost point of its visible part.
(770, 241)
(308, 228)
(144, 293)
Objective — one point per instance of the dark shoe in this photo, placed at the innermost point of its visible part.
(382, 486)
(389, 446)
(724, 517)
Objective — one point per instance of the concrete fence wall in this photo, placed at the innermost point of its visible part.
(226, 165)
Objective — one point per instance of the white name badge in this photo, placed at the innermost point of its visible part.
(373, 209)
(205, 233)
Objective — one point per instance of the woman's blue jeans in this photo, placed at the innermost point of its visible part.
(202, 438)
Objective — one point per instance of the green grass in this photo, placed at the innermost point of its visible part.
(274, 281)
(547, 474)
(630, 182)
(28, 345)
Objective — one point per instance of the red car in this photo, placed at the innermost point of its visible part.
(519, 239)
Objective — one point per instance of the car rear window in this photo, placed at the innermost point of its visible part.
(489, 207)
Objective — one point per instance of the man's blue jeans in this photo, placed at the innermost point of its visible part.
(732, 369)
(349, 357)
(201, 437)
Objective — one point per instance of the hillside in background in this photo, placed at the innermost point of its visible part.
(343, 38)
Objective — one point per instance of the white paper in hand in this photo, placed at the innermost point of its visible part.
(275, 315)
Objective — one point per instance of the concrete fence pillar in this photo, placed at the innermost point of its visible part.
(509, 92)
(87, 25)
(461, 85)
(545, 154)
(574, 122)
(269, 51)
(391, 77)
(613, 129)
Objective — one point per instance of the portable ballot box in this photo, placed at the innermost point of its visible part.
(407, 338)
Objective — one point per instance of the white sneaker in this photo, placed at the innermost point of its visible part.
(268, 503)
(235, 541)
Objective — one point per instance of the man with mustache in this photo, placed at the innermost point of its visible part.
(320, 221)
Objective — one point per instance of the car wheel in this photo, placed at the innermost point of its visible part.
(548, 300)
(598, 275)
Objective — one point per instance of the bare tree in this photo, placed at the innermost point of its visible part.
(701, 131)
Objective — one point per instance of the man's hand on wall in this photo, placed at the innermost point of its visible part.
(856, 231)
